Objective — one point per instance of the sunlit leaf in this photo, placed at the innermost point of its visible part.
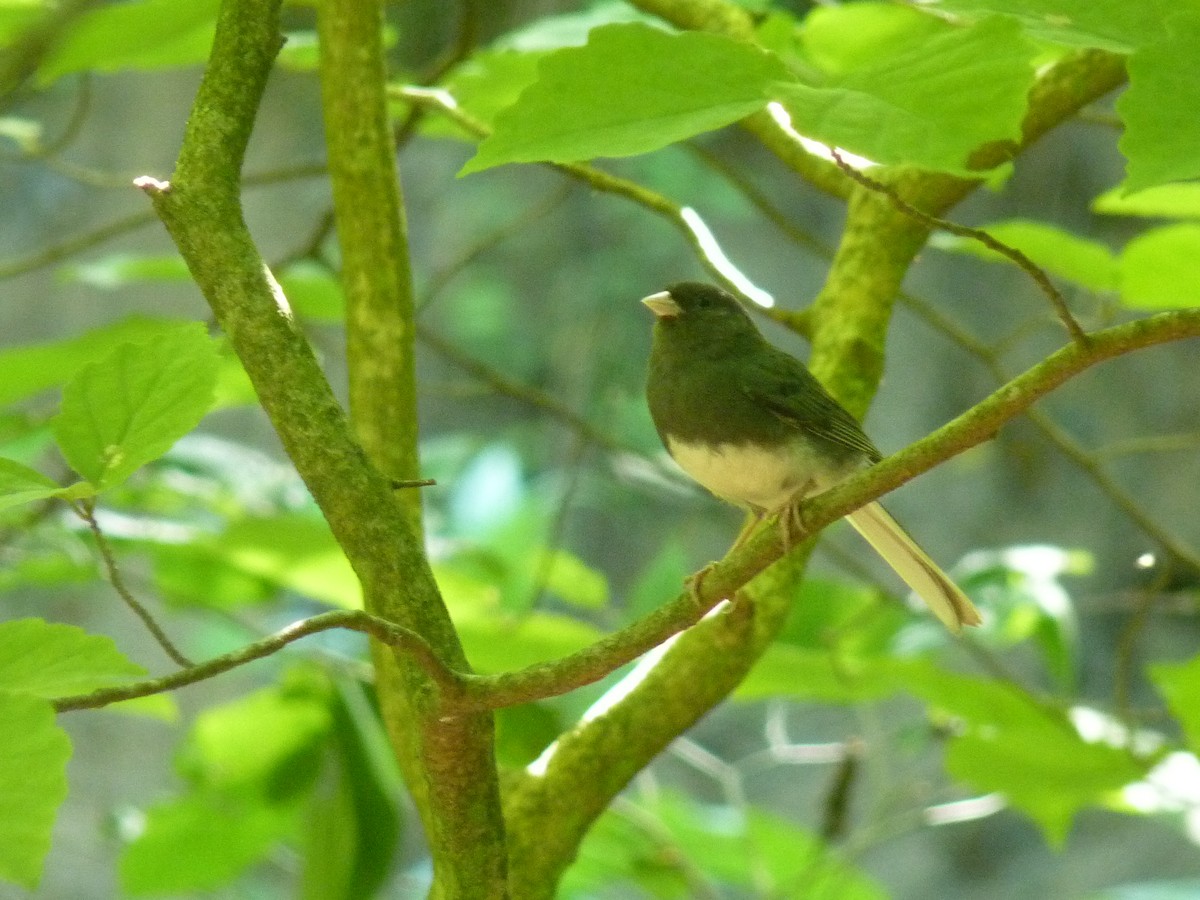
(931, 106)
(1107, 24)
(201, 841)
(20, 484)
(1160, 268)
(33, 783)
(631, 89)
(129, 407)
(1168, 201)
(839, 39)
(25, 370)
(49, 660)
(144, 34)
(1086, 262)
(119, 269)
(1179, 683)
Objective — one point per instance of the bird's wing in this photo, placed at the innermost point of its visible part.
(782, 385)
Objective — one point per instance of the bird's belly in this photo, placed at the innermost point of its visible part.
(752, 475)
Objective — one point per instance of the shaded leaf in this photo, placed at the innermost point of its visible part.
(1162, 130)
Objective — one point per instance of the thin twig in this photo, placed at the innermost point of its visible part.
(394, 636)
(86, 510)
(978, 234)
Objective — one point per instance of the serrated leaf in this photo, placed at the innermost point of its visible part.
(147, 34)
(1162, 130)
(1059, 252)
(1160, 269)
(33, 784)
(20, 484)
(631, 89)
(49, 660)
(929, 107)
(1179, 684)
(1167, 201)
(128, 408)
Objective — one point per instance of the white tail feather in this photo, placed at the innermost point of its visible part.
(913, 564)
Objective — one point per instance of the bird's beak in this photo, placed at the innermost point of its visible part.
(663, 305)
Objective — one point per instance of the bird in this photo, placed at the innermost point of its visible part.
(754, 427)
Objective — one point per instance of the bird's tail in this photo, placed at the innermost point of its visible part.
(913, 564)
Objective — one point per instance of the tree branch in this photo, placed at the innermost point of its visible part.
(1040, 278)
(87, 511)
(382, 630)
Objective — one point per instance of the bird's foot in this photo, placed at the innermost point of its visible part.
(694, 581)
(792, 527)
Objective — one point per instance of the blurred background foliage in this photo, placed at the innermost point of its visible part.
(556, 517)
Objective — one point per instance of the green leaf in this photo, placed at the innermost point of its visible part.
(50, 660)
(571, 580)
(1168, 201)
(1030, 753)
(1160, 269)
(292, 551)
(24, 371)
(17, 15)
(660, 580)
(1115, 25)
(33, 784)
(672, 838)
(839, 39)
(145, 34)
(200, 842)
(931, 106)
(313, 292)
(1162, 130)
(120, 269)
(1059, 252)
(1179, 683)
(128, 408)
(630, 90)
(250, 742)
(825, 676)
(20, 484)
(1044, 769)
(484, 84)
(354, 822)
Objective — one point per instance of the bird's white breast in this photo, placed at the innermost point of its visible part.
(753, 475)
